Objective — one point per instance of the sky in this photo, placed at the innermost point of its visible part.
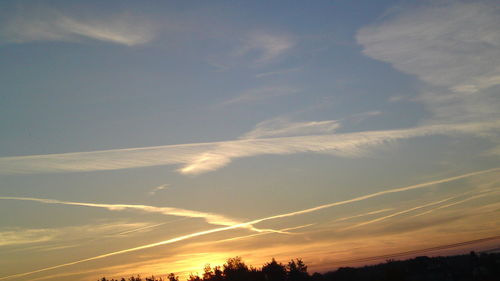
(149, 137)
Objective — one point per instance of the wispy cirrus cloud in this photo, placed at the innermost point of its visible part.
(480, 195)
(453, 46)
(29, 24)
(204, 157)
(364, 214)
(254, 49)
(277, 72)
(158, 188)
(265, 47)
(26, 236)
(282, 127)
(400, 213)
(259, 94)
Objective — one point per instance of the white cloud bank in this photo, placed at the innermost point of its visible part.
(43, 24)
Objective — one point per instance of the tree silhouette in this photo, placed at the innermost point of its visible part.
(235, 269)
(297, 270)
(172, 277)
(274, 271)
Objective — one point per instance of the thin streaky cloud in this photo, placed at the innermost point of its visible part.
(78, 242)
(364, 214)
(328, 224)
(26, 239)
(482, 194)
(277, 72)
(165, 242)
(377, 194)
(28, 236)
(281, 127)
(259, 94)
(262, 233)
(268, 46)
(400, 213)
(205, 157)
(208, 217)
(29, 25)
(253, 222)
(158, 188)
(142, 228)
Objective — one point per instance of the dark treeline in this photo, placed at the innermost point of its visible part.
(471, 267)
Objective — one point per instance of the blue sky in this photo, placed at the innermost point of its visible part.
(154, 137)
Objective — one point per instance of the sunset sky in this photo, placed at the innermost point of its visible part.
(149, 137)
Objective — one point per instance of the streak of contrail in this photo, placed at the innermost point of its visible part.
(400, 213)
(480, 195)
(210, 218)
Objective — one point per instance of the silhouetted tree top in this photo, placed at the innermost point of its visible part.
(172, 277)
(274, 271)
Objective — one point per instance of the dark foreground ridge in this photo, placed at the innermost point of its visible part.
(471, 267)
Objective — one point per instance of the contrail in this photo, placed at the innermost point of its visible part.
(400, 213)
(262, 233)
(480, 195)
(376, 194)
(210, 218)
(364, 214)
(240, 225)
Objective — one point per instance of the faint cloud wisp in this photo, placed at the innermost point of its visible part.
(44, 24)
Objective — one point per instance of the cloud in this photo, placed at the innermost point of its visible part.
(22, 236)
(265, 47)
(260, 234)
(158, 188)
(400, 213)
(208, 217)
(277, 72)
(377, 194)
(256, 221)
(43, 24)
(364, 214)
(25, 236)
(204, 157)
(457, 40)
(281, 127)
(480, 195)
(259, 94)
(453, 46)
(254, 49)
